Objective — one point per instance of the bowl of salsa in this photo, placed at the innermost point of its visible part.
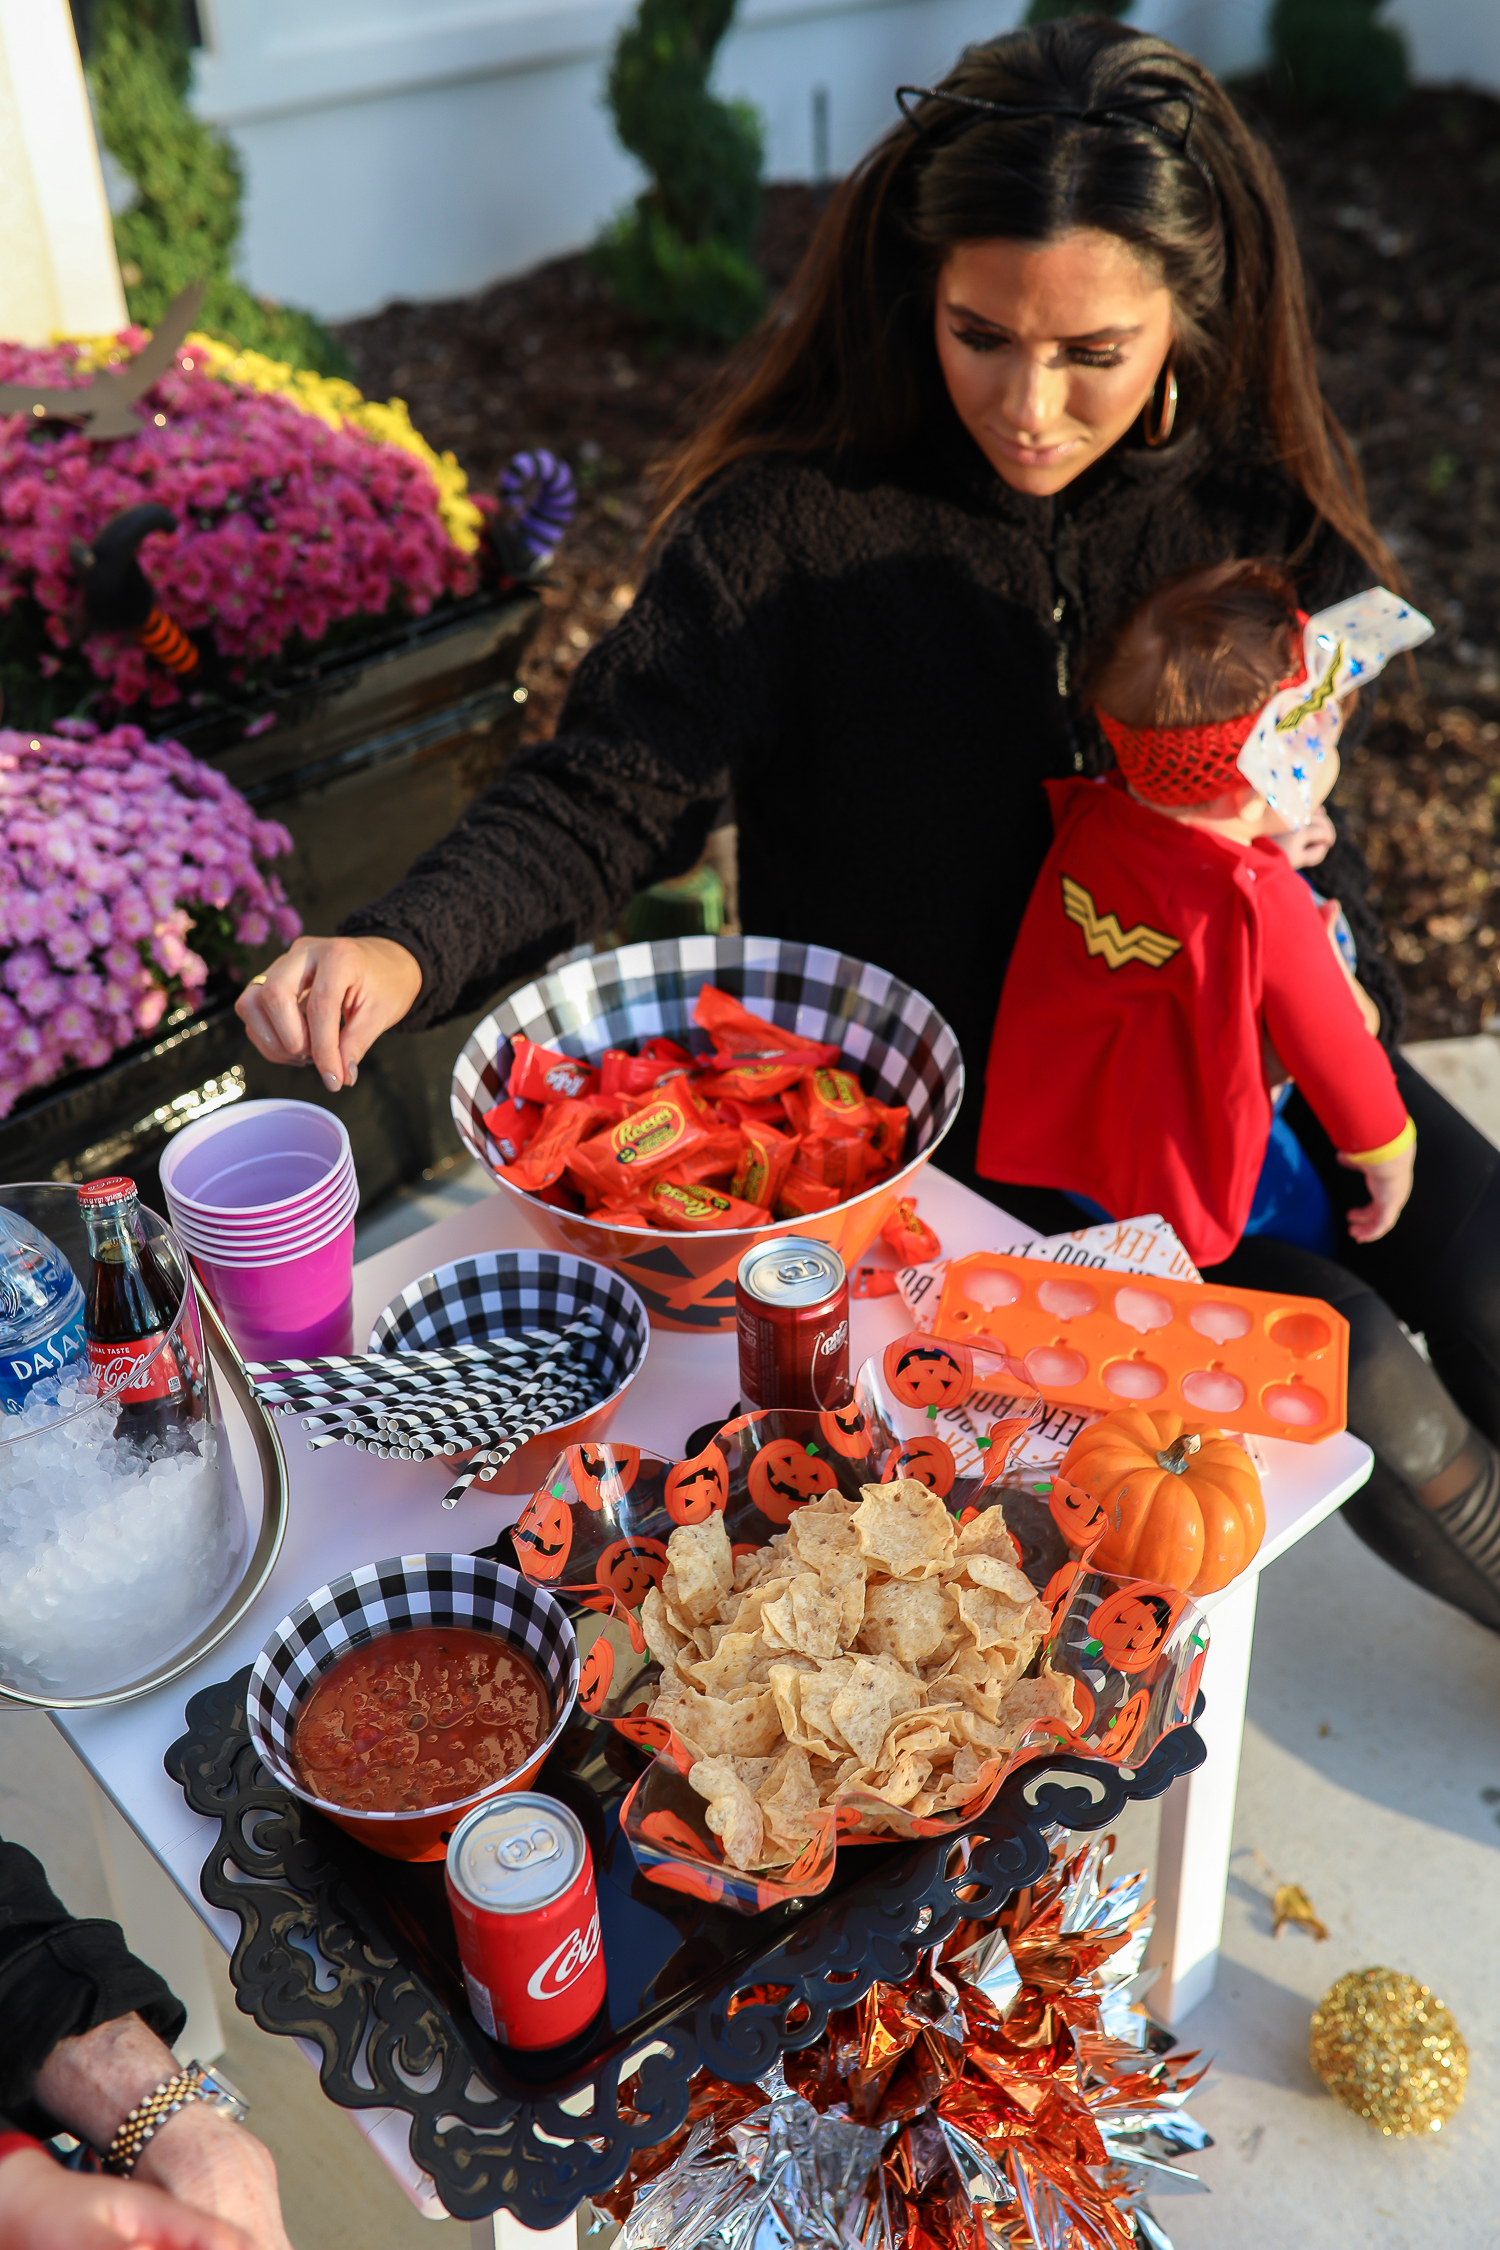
(398, 1696)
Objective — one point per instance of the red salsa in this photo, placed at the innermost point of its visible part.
(420, 1718)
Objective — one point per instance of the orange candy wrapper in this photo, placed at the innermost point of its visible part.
(1032, 2106)
(909, 1241)
(770, 1122)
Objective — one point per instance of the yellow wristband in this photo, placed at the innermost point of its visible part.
(1405, 1139)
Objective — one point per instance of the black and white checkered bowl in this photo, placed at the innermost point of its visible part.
(499, 1292)
(391, 1597)
(903, 1049)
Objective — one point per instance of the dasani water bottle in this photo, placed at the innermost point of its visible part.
(41, 1311)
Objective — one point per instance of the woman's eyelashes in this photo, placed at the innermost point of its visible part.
(1081, 355)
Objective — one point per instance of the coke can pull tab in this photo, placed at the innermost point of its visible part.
(531, 1850)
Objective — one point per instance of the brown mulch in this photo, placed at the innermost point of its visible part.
(1400, 223)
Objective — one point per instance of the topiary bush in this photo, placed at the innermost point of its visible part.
(682, 256)
(1333, 55)
(185, 222)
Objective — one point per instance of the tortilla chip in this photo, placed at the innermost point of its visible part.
(788, 1800)
(1002, 1577)
(662, 1636)
(733, 1815)
(865, 1704)
(904, 1529)
(1048, 1696)
(742, 1726)
(991, 1618)
(817, 1538)
(987, 1534)
(740, 1660)
(699, 1559)
(906, 1619)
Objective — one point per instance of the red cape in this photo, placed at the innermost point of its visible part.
(1125, 1063)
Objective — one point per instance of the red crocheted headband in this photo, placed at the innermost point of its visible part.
(1187, 765)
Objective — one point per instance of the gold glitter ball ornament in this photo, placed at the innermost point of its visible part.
(1385, 2048)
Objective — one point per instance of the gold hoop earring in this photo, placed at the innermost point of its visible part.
(1168, 415)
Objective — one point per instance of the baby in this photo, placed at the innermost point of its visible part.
(1172, 965)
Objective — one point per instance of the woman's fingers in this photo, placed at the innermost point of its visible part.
(43, 2207)
(327, 1000)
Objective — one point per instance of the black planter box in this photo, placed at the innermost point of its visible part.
(374, 753)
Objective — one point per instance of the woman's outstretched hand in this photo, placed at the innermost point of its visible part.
(327, 1000)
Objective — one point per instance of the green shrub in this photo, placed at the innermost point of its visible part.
(184, 224)
(1333, 55)
(683, 255)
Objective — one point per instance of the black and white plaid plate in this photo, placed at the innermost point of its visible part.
(381, 1597)
(903, 1049)
(500, 1292)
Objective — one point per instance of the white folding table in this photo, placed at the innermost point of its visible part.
(347, 1508)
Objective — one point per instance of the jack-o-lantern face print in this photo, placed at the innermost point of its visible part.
(544, 1535)
(922, 1372)
(845, 1430)
(629, 1569)
(604, 1473)
(1122, 1729)
(645, 1732)
(1076, 1513)
(1059, 1587)
(784, 1475)
(927, 1459)
(695, 1488)
(1129, 1628)
(1003, 1437)
(671, 1833)
(595, 1674)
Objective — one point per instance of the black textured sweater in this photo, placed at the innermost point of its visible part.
(875, 658)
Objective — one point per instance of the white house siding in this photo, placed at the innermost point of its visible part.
(420, 148)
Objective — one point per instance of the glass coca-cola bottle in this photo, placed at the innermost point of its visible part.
(130, 1304)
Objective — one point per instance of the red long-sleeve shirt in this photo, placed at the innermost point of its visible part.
(1125, 1063)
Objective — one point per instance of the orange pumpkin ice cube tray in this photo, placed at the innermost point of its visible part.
(1244, 1358)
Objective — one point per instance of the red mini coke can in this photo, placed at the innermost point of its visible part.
(792, 1312)
(520, 1883)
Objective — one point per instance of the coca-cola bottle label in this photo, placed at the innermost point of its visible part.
(112, 1363)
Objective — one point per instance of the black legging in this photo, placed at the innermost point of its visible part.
(1438, 1270)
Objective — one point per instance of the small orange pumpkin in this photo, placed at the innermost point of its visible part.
(1182, 1504)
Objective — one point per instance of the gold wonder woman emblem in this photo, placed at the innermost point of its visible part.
(1316, 698)
(1102, 933)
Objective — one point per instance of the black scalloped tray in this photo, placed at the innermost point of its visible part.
(356, 1953)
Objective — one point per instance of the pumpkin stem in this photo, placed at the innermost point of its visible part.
(1175, 1458)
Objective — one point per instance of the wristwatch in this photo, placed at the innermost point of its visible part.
(197, 2083)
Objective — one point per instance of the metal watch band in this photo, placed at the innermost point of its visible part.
(192, 2084)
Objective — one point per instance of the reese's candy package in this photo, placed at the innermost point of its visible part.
(801, 1195)
(909, 1238)
(735, 1031)
(680, 1204)
(755, 1080)
(660, 1133)
(887, 1136)
(766, 1157)
(830, 1102)
(757, 1113)
(564, 1125)
(542, 1074)
(512, 1124)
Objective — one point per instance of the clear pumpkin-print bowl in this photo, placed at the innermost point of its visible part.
(901, 1047)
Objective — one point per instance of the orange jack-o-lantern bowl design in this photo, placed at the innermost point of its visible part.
(1130, 1628)
(926, 1459)
(629, 1568)
(695, 1488)
(1076, 1513)
(922, 1371)
(544, 1536)
(845, 1429)
(597, 1670)
(784, 1475)
(604, 1475)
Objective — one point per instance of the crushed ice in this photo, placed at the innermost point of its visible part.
(113, 1551)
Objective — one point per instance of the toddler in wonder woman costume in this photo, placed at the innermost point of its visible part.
(1173, 966)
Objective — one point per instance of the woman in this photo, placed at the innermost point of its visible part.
(1050, 345)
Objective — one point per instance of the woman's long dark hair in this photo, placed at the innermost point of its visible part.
(846, 362)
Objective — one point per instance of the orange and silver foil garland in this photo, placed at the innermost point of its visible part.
(1011, 2096)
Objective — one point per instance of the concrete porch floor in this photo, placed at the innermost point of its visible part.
(1370, 1775)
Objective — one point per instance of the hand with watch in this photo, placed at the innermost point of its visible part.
(160, 2126)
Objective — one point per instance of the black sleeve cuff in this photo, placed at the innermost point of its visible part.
(58, 1979)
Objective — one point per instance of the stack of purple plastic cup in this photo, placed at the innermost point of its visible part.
(264, 1194)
